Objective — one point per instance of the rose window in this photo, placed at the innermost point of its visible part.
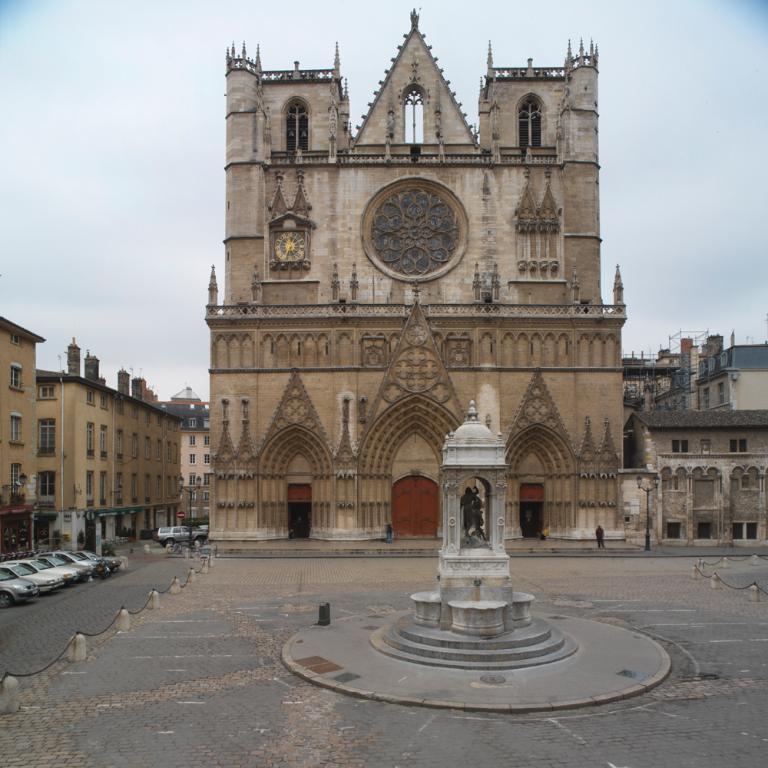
(416, 231)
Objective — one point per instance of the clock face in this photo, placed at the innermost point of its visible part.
(290, 246)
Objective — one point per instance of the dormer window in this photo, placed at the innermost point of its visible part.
(297, 128)
(414, 116)
(529, 123)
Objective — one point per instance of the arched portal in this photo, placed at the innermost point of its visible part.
(387, 445)
(415, 507)
(295, 485)
(542, 470)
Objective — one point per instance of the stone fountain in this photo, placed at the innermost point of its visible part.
(474, 619)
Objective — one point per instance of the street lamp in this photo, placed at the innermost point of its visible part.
(191, 489)
(18, 487)
(647, 487)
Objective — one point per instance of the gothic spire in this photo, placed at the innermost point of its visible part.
(414, 20)
(213, 288)
(618, 288)
(258, 60)
(490, 60)
(337, 63)
(243, 54)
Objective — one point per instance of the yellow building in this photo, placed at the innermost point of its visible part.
(108, 459)
(17, 435)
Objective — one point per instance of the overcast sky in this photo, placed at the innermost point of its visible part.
(112, 152)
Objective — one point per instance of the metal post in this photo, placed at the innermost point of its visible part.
(647, 519)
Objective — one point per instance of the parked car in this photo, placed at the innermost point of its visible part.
(15, 590)
(68, 575)
(77, 560)
(56, 558)
(114, 563)
(46, 582)
(170, 534)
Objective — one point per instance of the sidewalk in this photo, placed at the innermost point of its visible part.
(299, 548)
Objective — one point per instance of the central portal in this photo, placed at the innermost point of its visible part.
(299, 510)
(415, 507)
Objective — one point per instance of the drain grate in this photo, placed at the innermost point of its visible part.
(631, 673)
(493, 679)
(346, 677)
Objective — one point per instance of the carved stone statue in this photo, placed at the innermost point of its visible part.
(472, 518)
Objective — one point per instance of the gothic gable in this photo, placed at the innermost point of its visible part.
(415, 68)
(416, 368)
(295, 409)
(587, 451)
(538, 408)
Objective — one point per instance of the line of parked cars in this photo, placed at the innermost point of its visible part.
(33, 573)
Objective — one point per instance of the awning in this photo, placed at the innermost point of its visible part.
(19, 509)
(113, 511)
(46, 515)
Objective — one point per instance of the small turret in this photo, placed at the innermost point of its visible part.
(490, 61)
(337, 63)
(618, 288)
(213, 288)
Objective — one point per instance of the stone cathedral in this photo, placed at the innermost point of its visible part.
(379, 278)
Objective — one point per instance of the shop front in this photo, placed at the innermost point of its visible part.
(16, 528)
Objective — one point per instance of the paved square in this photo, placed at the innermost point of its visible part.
(199, 682)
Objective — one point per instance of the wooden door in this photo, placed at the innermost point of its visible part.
(415, 507)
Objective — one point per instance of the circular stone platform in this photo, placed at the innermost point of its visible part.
(605, 664)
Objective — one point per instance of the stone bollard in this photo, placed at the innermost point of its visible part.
(754, 593)
(146, 549)
(714, 581)
(123, 563)
(205, 567)
(191, 576)
(211, 559)
(696, 572)
(175, 586)
(725, 562)
(77, 649)
(754, 560)
(9, 695)
(154, 600)
(123, 620)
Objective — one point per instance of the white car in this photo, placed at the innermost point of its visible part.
(46, 581)
(67, 574)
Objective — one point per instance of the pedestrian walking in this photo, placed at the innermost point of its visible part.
(390, 533)
(599, 535)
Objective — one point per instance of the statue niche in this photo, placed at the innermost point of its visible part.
(473, 519)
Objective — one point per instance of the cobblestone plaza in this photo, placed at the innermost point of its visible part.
(200, 681)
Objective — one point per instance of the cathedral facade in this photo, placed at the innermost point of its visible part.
(376, 280)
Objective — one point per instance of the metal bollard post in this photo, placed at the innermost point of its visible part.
(175, 586)
(205, 565)
(9, 695)
(77, 649)
(123, 620)
(324, 615)
(754, 593)
(714, 581)
(154, 600)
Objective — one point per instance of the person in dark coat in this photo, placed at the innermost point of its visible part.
(599, 535)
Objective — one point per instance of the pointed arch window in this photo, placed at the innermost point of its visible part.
(414, 116)
(529, 123)
(297, 128)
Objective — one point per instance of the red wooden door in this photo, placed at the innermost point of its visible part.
(415, 507)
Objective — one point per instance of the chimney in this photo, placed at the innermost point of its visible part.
(123, 382)
(73, 358)
(686, 345)
(91, 367)
(714, 345)
(136, 388)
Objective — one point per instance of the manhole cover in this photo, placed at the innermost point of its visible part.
(493, 679)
